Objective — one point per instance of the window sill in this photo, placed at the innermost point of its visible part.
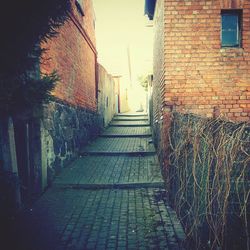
(232, 51)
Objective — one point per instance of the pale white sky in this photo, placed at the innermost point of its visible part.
(121, 24)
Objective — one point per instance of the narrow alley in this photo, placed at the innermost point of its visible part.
(112, 197)
(125, 125)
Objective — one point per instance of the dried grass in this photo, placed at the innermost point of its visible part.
(208, 180)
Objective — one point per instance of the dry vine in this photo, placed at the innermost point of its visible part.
(209, 180)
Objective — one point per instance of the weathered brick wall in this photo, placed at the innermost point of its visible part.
(158, 69)
(72, 53)
(192, 73)
(88, 20)
(160, 122)
(200, 76)
(106, 96)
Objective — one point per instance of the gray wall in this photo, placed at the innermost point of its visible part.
(65, 130)
(106, 96)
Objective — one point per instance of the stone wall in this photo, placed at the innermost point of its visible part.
(65, 129)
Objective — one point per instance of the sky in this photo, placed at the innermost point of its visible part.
(121, 27)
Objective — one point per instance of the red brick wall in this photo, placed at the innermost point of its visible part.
(200, 76)
(72, 53)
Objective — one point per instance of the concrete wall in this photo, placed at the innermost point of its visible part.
(123, 90)
(106, 96)
(198, 75)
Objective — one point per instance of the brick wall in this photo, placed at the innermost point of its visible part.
(72, 53)
(199, 76)
(71, 120)
(161, 114)
(158, 68)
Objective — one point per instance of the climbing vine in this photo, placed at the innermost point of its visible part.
(209, 180)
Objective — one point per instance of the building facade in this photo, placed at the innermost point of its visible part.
(201, 57)
(201, 68)
(201, 60)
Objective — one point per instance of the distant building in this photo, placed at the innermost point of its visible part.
(107, 103)
(122, 94)
(112, 96)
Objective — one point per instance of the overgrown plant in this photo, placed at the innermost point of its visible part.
(209, 180)
(143, 80)
(24, 26)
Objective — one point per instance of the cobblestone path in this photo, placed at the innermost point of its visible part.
(112, 197)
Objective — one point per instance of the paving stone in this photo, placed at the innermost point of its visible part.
(111, 170)
(120, 145)
(127, 131)
(92, 206)
(129, 123)
(132, 114)
(131, 118)
(129, 210)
